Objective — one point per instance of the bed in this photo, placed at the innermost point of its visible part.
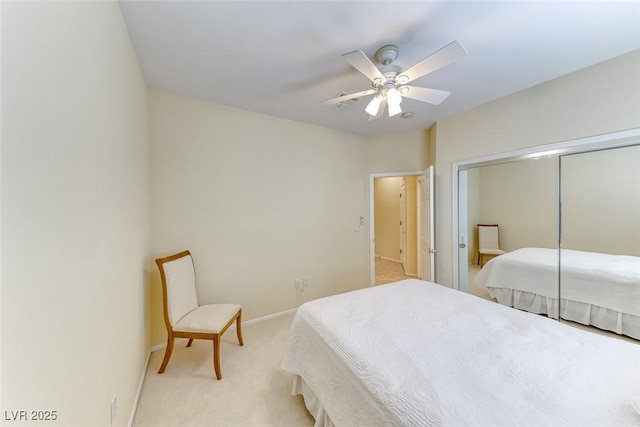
(597, 289)
(415, 353)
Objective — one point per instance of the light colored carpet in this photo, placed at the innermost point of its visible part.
(254, 390)
(388, 271)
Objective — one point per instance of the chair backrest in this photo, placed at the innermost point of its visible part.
(178, 285)
(488, 236)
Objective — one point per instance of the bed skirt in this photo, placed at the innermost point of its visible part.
(311, 402)
(579, 312)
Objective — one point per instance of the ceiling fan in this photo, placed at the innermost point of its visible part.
(390, 82)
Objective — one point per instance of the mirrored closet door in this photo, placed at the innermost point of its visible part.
(600, 238)
(568, 220)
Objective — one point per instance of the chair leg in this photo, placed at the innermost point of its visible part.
(216, 356)
(167, 354)
(239, 328)
(190, 342)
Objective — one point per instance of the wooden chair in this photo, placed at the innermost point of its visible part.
(184, 317)
(488, 242)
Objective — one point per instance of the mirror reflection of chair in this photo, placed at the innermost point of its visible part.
(184, 317)
(488, 242)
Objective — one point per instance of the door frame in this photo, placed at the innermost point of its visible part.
(372, 236)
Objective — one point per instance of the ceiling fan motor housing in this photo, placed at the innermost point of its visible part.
(387, 54)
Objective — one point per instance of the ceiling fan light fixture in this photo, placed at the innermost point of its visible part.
(373, 106)
(393, 100)
(394, 108)
(393, 96)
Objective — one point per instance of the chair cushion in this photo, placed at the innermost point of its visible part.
(208, 319)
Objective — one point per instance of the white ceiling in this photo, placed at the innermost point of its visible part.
(283, 58)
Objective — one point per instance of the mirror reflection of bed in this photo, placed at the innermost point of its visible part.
(599, 226)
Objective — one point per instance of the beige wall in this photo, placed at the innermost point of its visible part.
(74, 212)
(403, 152)
(387, 217)
(596, 100)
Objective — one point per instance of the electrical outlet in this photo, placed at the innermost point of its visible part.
(114, 409)
(305, 282)
(296, 284)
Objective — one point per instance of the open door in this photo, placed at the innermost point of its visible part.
(426, 258)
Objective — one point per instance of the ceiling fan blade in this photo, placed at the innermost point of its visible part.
(431, 96)
(445, 56)
(343, 98)
(362, 63)
(381, 110)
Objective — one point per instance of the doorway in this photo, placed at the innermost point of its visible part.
(394, 228)
(401, 226)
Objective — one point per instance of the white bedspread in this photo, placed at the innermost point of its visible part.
(609, 281)
(419, 354)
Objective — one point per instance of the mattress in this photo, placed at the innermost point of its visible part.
(415, 353)
(598, 289)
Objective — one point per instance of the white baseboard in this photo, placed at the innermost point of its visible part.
(387, 258)
(134, 407)
(267, 317)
